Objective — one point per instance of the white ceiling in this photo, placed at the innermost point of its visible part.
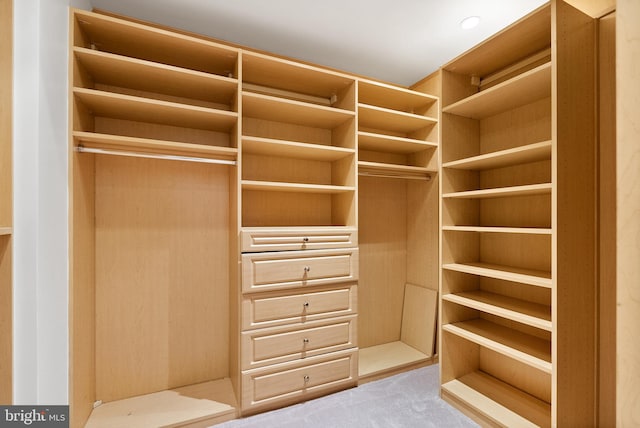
(399, 41)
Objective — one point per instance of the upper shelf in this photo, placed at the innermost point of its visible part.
(293, 149)
(131, 39)
(391, 120)
(525, 88)
(128, 107)
(506, 273)
(501, 192)
(517, 155)
(295, 112)
(395, 98)
(389, 143)
(149, 76)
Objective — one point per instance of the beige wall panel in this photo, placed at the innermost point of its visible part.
(162, 283)
(628, 220)
(383, 256)
(422, 233)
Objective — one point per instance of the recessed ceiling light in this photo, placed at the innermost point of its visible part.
(470, 22)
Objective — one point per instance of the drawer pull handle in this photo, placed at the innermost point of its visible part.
(307, 268)
(305, 239)
(305, 340)
(305, 304)
(306, 378)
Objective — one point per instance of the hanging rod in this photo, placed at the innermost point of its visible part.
(426, 177)
(83, 149)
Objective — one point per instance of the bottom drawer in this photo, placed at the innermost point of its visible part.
(287, 383)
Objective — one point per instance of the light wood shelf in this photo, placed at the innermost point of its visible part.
(273, 186)
(375, 117)
(293, 149)
(491, 229)
(6, 231)
(393, 170)
(521, 311)
(506, 273)
(501, 192)
(530, 350)
(389, 143)
(525, 88)
(133, 39)
(378, 359)
(205, 404)
(119, 142)
(393, 97)
(119, 106)
(149, 76)
(291, 111)
(517, 155)
(498, 402)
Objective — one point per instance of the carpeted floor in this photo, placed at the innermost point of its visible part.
(406, 400)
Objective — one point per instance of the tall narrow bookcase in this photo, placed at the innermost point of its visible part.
(518, 224)
(6, 201)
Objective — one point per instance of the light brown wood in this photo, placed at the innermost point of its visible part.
(627, 224)
(299, 341)
(156, 279)
(291, 238)
(206, 404)
(6, 201)
(419, 314)
(397, 98)
(388, 358)
(292, 149)
(530, 153)
(404, 124)
(526, 190)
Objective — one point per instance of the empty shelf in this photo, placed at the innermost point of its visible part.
(506, 273)
(521, 311)
(530, 350)
(393, 170)
(379, 359)
(391, 120)
(502, 192)
(494, 229)
(391, 144)
(514, 156)
(6, 230)
(498, 402)
(392, 97)
(525, 88)
(274, 186)
(293, 149)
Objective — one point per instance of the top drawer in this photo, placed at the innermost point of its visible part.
(294, 238)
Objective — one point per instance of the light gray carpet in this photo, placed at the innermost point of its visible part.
(406, 400)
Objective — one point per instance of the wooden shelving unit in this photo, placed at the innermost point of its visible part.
(397, 168)
(516, 222)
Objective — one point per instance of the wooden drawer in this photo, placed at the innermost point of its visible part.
(259, 311)
(287, 383)
(295, 269)
(288, 343)
(293, 238)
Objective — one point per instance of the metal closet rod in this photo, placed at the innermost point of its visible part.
(83, 149)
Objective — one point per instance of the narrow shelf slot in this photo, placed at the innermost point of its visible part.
(530, 350)
(521, 311)
(273, 186)
(389, 143)
(501, 192)
(293, 149)
(491, 229)
(498, 401)
(393, 170)
(506, 273)
(391, 120)
(207, 404)
(514, 156)
(290, 111)
(139, 109)
(144, 75)
(525, 88)
(392, 97)
(145, 145)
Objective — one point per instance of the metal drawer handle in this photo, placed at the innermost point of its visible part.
(307, 268)
(305, 239)
(305, 340)
(306, 378)
(305, 304)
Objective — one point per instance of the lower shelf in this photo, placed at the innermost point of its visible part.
(492, 400)
(387, 358)
(203, 404)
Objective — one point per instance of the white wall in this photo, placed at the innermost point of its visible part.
(41, 200)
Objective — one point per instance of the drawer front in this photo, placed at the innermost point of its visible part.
(289, 383)
(294, 269)
(256, 240)
(282, 344)
(260, 311)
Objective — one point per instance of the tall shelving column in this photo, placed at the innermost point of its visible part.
(6, 201)
(517, 228)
